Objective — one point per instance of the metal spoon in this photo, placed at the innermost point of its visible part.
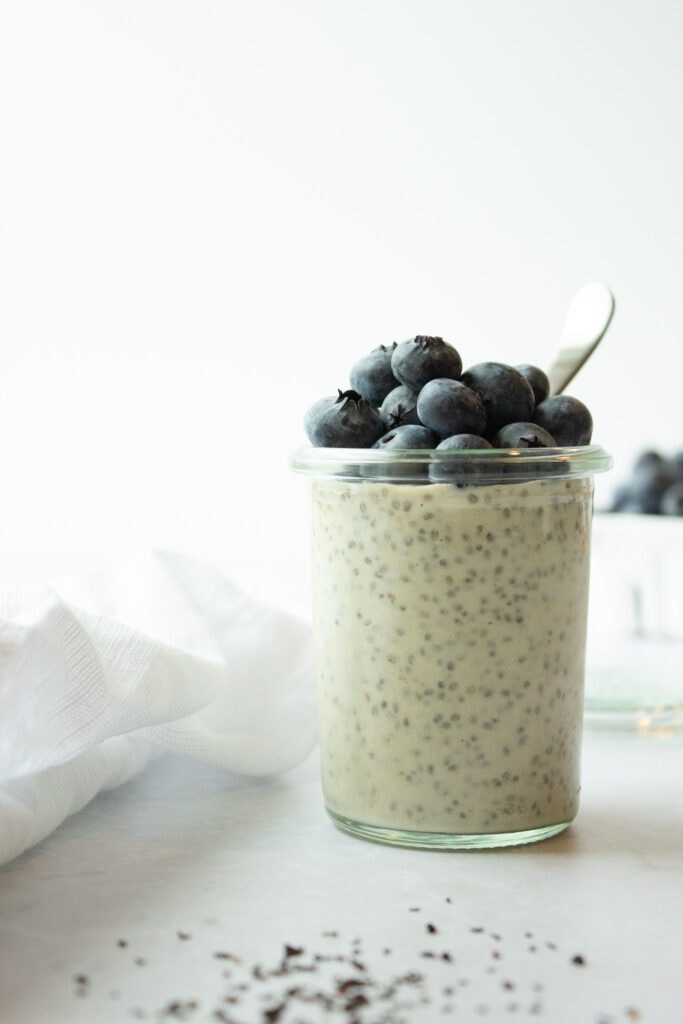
(585, 323)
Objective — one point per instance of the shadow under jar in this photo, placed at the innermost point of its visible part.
(450, 594)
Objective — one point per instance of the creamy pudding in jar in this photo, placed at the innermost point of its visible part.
(450, 627)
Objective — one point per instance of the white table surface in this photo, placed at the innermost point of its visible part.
(141, 906)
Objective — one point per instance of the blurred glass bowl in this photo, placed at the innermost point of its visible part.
(634, 655)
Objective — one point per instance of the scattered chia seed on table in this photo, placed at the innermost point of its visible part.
(349, 982)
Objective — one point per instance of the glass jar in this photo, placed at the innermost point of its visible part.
(450, 594)
(634, 659)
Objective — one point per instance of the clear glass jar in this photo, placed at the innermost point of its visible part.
(450, 595)
(634, 659)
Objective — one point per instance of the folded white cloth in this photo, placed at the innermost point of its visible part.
(100, 673)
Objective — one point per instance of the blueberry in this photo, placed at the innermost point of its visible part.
(649, 460)
(566, 418)
(459, 471)
(422, 358)
(652, 487)
(448, 407)
(344, 421)
(507, 395)
(523, 435)
(533, 441)
(676, 463)
(638, 503)
(651, 476)
(540, 385)
(409, 436)
(460, 442)
(672, 500)
(399, 407)
(649, 482)
(372, 375)
(621, 499)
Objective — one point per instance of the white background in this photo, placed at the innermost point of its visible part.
(209, 209)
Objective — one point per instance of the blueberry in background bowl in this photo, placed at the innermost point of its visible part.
(654, 486)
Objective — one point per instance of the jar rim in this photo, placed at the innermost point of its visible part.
(450, 465)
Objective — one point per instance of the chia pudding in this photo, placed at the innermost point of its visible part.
(450, 629)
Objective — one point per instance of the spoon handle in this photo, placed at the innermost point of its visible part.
(585, 324)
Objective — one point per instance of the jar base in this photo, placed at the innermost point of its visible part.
(444, 840)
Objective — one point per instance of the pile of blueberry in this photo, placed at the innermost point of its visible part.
(654, 487)
(415, 395)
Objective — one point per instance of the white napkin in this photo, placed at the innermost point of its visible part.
(99, 674)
